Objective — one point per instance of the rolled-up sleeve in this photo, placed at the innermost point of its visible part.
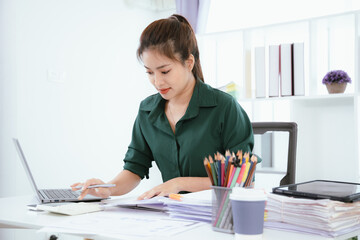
(138, 158)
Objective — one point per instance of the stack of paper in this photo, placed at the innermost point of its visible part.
(322, 217)
(192, 206)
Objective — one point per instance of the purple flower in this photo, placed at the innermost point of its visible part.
(336, 76)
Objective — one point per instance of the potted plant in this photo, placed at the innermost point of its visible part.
(336, 81)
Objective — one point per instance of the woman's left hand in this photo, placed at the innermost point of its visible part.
(164, 189)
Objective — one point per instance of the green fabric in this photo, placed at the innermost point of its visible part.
(214, 121)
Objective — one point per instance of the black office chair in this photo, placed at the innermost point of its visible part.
(291, 127)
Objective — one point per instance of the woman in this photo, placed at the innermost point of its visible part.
(184, 122)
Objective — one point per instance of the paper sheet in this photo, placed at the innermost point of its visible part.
(71, 208)
(120, 223)
(154, 203)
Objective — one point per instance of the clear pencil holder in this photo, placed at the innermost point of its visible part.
(222, 219)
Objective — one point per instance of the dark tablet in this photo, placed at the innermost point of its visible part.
(322, 189)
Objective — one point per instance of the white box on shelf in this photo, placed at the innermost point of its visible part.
(286, 73)
(274, 70)
(298, 60)
(260, 82)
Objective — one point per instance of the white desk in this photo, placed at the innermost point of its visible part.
(14, 214)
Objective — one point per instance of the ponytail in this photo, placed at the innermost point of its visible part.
(170, 36)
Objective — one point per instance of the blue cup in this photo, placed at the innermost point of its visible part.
(248, 207)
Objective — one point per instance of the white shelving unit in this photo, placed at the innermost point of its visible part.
(328, 125)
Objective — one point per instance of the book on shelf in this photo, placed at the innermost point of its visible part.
(260, 82)
(298, 61)
(248, 74)
(274, 70)
(286, 70)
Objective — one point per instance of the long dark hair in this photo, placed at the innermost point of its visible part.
(170, 36)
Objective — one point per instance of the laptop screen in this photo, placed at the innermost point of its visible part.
(26, 166)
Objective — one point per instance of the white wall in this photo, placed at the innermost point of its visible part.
(70, 87)
(225, 15)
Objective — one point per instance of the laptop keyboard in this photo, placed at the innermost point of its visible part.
(60, 193)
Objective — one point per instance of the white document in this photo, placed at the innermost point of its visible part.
(197, 199)
(70, 208)
(194, 217)
(123, 223)
(154, 203)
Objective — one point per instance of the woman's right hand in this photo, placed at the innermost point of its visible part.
(99, 192)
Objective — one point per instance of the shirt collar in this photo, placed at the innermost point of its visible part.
(206, 94)
(203, 96)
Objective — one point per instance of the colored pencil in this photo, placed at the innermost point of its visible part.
(241, 175)
(245, 174)
(219, 168)
(230, 163)
(252, 170)
(206, 165)
(227, 157)
(233, 170)
(213, 170)
(222, 172)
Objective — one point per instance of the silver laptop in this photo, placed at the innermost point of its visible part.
(51, 195)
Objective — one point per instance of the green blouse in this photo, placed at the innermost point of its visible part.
(214, 121)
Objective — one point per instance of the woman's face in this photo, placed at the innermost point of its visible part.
(170, 78)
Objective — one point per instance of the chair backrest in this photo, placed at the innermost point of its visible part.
(291, 127)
